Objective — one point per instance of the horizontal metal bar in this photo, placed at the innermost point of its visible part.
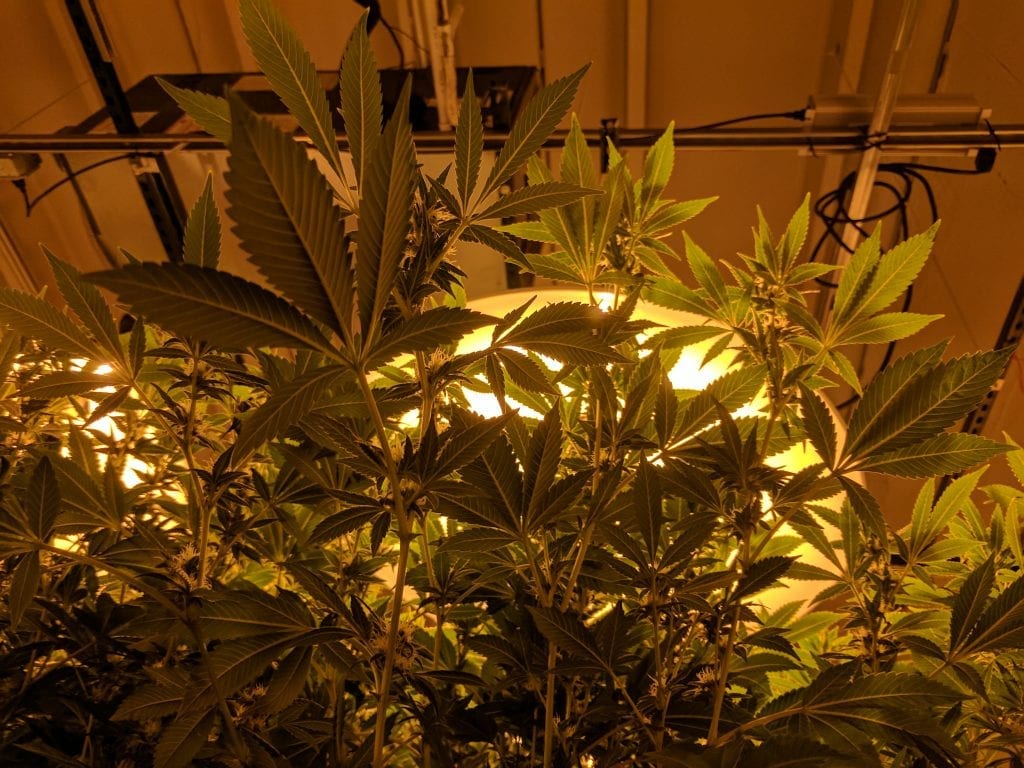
(821, 141)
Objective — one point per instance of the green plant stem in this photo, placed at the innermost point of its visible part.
(237, 745)
(725, 657)
(404, 536)
(549, 706)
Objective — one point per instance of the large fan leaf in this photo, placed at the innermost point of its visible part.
(285, 216)
(360, 98)
(385, 215)
(535, 124)
(1001, 626)
(287, 65)
(206, 304)
(184, 737)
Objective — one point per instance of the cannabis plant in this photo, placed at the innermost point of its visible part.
(260, 524)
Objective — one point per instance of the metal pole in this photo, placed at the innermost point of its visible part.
(879, 128)
(904, 141)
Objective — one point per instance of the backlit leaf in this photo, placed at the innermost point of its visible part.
(202, 232)
(360, 98)
(469, 142)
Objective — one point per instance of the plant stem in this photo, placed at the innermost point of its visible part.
(380, 726)
(549, 706)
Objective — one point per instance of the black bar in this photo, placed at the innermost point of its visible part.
(158, 189)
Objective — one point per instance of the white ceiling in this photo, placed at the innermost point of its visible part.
(653, 61)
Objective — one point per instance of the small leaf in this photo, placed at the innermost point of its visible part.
(820, 426)
(941, 455)
(883, 328)
(646, 502)
(475, 540)
(360, 98)
(206, 304)
(866, 507)
(37, 318)
(387, 188)
(23, 587)
(288, 682)
(211, 112)
(970, 601)
(855, 276)
(284, 408)
(568, 633)
(437, 327)
(536, 197)
(42, 499)
(340, 523)
(1001, 626)
(535, 123)
(184, 737)
(761, 575)
(87, 303)
(202, 233)
(525, 372)
(704, 270)
(657, 168)
(469, 143)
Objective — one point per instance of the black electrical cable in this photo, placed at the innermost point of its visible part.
(377, 15)
(831, 209)
(794, 114)
(31, 204)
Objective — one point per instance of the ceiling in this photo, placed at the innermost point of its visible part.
(653, 61)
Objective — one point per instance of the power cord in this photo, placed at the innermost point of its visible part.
(30, 204)
(831, 209)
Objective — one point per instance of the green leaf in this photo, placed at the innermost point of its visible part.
(87, 303)
(895, 271)
(42, 499)
(867, 509)
(536, 122)
(928, 522)
(941, 455)
(568, 633)
(529, 230)
(564, 331)
(1000, 627)
(555, 266)
(23, 587)
(671, 294)
(464, 444)
(525, 372)
(184, 737)
(969, 602)
(927, 404)
(820, 426)
(437, 327)
(62, 383)
(855, 276)
(674, 214)
(469, 143)
(883, 394)
(496, 241)
(285, 216)
(202, 233)
(161, 698)
(37, 318)
(657, 168)
(685, 336)
(536, 197)
(340, 523)
(210, 112)
(206, 304)
(729, 391)
(284, 408)
(475, 540)
(540, 465)
(761, 575)
(884, 328)
(388, 190)
(288, 682)
(577, 167)
(360, 98)
(608, 213)
(646, 503)
(291, 73)
(795, 235)
(704, 270)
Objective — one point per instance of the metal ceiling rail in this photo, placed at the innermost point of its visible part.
(903, 141)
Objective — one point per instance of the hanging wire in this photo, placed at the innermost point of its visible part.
(899, 180)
